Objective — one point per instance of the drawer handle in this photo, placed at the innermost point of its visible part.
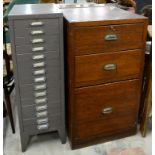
(109, 67)
(35, 41)
(111, 37)
(108, 110)
(40, 79)
(39, 64)
(38, 57)
(39, 108)
(37, 23)
(36, 49)
(42, 121)
(42, 127)
(37, 32)
(42, 114)
(40, 94)
(39, 72)
(39, 101)
(40, 87)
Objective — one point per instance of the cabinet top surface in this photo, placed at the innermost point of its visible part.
(104, 13)
(37, 10)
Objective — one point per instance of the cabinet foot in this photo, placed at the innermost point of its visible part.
(24, 142)
(62, 135)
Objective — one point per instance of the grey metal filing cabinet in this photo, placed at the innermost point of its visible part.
(37, 49)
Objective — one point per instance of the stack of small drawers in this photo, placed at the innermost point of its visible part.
(38, 61)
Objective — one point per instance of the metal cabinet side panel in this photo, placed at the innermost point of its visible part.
(62, 73)
(15, 66)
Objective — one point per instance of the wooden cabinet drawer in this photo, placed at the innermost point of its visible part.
(104, 128)
(92, 115)
(107, 67)
(108, 38)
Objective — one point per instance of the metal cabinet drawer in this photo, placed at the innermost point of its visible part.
(36, 23)
(41, 47)
(33, 111)
(34, 64)
(32, 127)
(27, 93)
(35, 40)
(35, 31)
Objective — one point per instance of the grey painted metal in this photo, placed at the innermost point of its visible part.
(35, 11)
(42, 47)
(38, 69)
(30, 112)
(48, 39)
(46, 23)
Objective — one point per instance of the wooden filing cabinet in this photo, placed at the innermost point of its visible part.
(105, 49)
(37, 48)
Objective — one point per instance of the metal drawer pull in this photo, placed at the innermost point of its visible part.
(34, 41)
(107, 110)
(42, 121)
(36, 49)
(39, 64)
(111, 37)
(40, 94)
(39, 72)
(38, 57)
(39, 108)
(40, 79)
(42, 114)
(42, 127)
(37, 23)
(109, 67)
(37, 32)
(39, 101)
(40, 87)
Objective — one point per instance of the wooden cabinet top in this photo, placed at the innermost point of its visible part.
(97, 15)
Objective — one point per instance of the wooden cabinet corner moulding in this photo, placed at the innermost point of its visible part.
(105, 48)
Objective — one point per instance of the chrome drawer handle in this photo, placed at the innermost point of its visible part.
(40, 87)
(39, 108)
(40, 94)
(38, 57)
(39, 101)
(34, 41)
(42, 121)
(111, 37)
(109, 67)
(37, 23)
(39, 72)
(42, 114)
(42, 127)
(107, 110)
(37, 32)
(39, 64)
(36, 49)
(40, 79)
